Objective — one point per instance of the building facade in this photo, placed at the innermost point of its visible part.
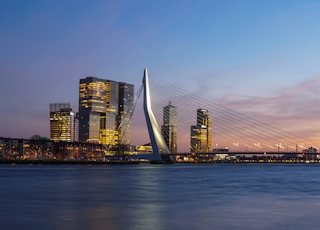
(103, 105)
(169, 127)
(201, 133)
(125, 110)
(45, 149)
(62, 122)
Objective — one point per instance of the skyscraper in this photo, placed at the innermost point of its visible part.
(102, 108)
(125, 110)
(201, 134)
(169, 127)
(92, 104)
(62, 122)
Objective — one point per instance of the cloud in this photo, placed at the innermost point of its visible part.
(295, 109)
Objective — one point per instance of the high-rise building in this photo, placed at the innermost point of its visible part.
(125, 110)
(62, 122)
(103, 105)
(201, 134)
(169, 127)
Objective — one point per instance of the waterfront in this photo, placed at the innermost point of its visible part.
(144, 196)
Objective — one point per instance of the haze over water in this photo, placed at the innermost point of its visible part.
(144, 196)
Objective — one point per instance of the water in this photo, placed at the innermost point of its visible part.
(144, 196)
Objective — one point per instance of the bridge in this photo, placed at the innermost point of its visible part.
(222, 129)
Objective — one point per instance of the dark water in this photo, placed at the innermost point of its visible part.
(208, 196)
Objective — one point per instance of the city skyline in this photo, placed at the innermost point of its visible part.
(258, 58)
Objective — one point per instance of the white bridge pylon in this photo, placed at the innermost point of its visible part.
(158, 143)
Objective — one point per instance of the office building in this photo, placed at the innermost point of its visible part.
(125, 110)
(62, 122)
(105, 107)
(201, 133)
(169, 127)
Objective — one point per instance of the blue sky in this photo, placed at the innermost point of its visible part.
(259, 57)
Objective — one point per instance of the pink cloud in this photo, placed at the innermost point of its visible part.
(295, 110)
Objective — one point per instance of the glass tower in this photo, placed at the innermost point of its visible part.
(109, 133)
(125, 111)
(100, 110)
(62, 122)
(169, 127)
(92, 103)
(201, 134)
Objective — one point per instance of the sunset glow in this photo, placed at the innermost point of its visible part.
(258, 60)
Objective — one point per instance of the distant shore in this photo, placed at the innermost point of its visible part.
(57, 162)
(126, 162)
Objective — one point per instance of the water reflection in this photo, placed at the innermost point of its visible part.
(160, 197)
(149, 199)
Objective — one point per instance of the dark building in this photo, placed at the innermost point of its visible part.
(169, 127)
(125, 110)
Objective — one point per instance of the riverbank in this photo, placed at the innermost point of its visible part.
(128, 162)
(51, 162)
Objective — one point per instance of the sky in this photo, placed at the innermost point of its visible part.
(256, 57)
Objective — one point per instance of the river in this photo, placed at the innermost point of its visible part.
(146, 196)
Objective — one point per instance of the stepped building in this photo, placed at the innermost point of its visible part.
(201, 134)
(105, 107)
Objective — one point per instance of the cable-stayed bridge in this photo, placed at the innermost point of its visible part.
(231, 130)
